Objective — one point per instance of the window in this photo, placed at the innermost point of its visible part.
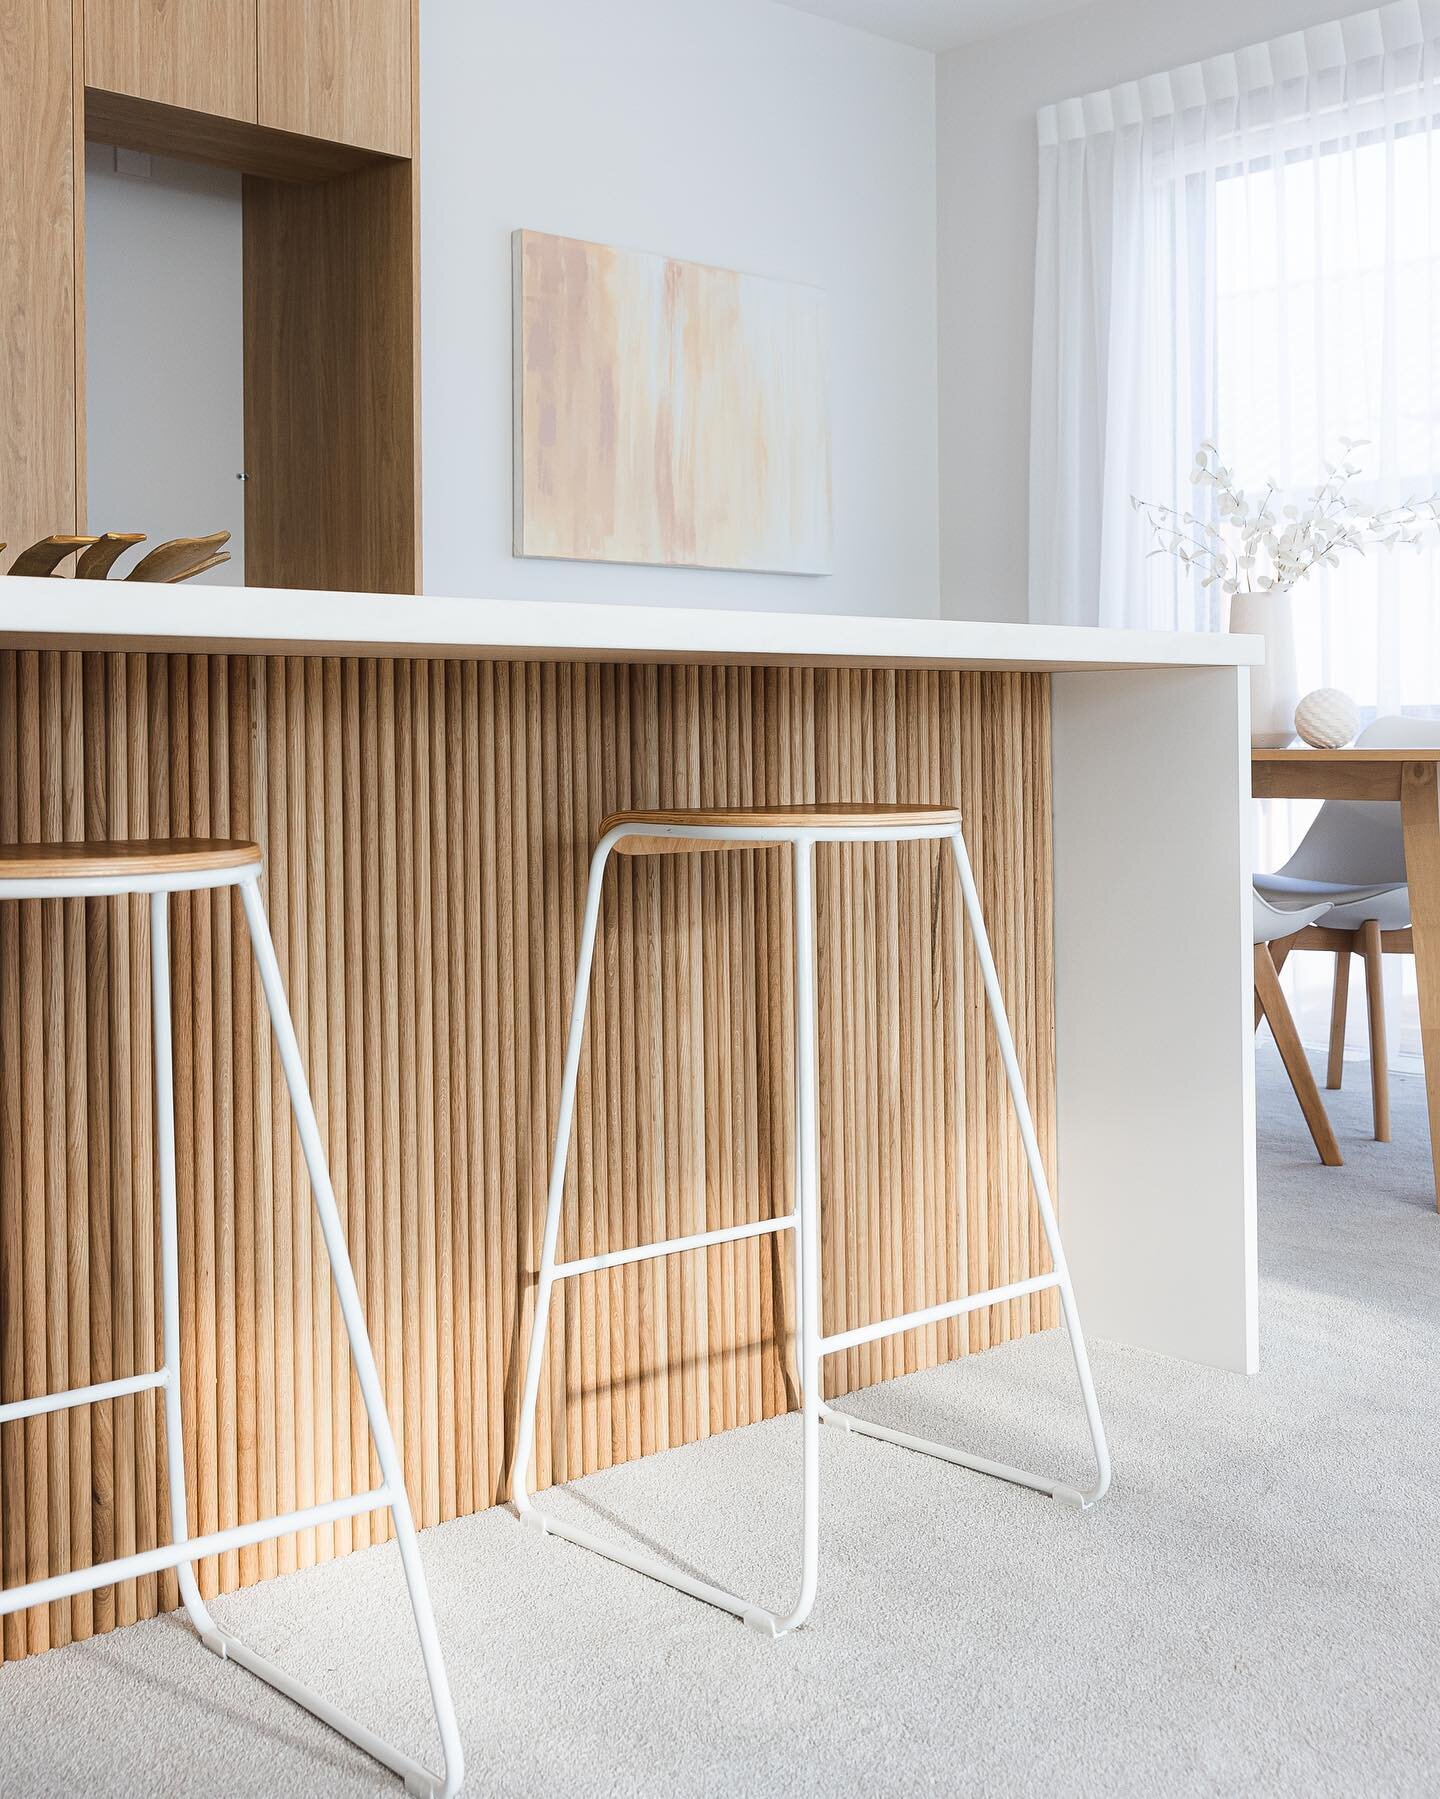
(1327, 316)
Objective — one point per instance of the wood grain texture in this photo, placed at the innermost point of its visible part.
(1339, 1004)
(331, 382)
(193, 53)
(1371, 948)
(39, 416)
(757, 818)
(338, 69)
(96, 562)
(98, 861)
(427, 827)
(819, 818)
(1420, 820)
(1333, 774)
(164, 130)
(1270, 1000)
(181, 558)
(45, 557)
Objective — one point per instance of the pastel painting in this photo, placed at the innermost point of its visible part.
(667, 412)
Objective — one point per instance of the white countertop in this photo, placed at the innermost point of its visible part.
(119, 615)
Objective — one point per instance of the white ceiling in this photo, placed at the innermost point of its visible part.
(936, 24)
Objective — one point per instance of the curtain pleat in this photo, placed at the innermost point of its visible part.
(1243, 249)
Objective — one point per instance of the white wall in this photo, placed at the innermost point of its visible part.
(987, 96)
(163, 343)
(734, 132)
(739, 133)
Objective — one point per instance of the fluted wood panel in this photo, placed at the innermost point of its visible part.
(427, 827)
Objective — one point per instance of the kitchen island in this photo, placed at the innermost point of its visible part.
(426, 778)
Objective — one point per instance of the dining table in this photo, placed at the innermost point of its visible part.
(1411, 778)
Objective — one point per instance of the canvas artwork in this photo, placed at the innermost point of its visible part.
(667, 412)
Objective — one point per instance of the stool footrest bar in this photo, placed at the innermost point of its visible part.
(767, 1623)
(417, 1777)
(673, 1246)
(1037, 1483)
(952, 1308)
(73, 1396)
(192, 1549)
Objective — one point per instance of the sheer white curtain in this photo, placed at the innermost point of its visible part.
(1248, 250)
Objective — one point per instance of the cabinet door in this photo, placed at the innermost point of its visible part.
(39, 466)
(338, 69)
(194, 53)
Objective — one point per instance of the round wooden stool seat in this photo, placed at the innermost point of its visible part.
(112, 861)
(837, 817)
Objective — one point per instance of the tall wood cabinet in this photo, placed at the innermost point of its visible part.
(339, 70)
(194, 53)
(40, 466)
(314, 102)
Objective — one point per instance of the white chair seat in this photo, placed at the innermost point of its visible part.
(1352, 904)
(1281, 915)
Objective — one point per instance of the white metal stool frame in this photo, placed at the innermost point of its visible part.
(390, 1495)
(812, 1344)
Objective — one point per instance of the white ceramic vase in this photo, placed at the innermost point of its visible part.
(1274, 687)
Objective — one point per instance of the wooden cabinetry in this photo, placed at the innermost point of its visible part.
(40, 471)
(338, 69)
(312, 100)
(199, 54)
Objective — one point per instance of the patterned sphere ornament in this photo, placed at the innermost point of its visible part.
(1327, 719)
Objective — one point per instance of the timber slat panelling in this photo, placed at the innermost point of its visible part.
(427, 827)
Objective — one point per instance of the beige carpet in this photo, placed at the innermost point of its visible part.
(1254, 1610)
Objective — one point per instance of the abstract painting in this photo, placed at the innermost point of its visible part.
(667, 412)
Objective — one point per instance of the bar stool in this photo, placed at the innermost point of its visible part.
(160, 868)
(801, 827)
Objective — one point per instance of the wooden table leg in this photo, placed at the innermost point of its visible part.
(1420, 817)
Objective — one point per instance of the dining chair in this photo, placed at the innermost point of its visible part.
(1353, 856)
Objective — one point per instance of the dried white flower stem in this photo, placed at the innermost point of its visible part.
(1262, 551)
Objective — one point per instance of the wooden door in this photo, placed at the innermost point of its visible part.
(199, 54)
(338, 69)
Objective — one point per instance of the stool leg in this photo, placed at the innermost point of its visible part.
(418, 1779)
(554, 1199)
(1036, 1165)
(1018, 1099)
(807, 1229)
(797, 1248)
(767, 1623)
(198, 1611)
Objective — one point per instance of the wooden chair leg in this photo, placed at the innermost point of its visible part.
(1287, 1039)
(1339, 1003)
(1279, 952)
(1371, 950)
